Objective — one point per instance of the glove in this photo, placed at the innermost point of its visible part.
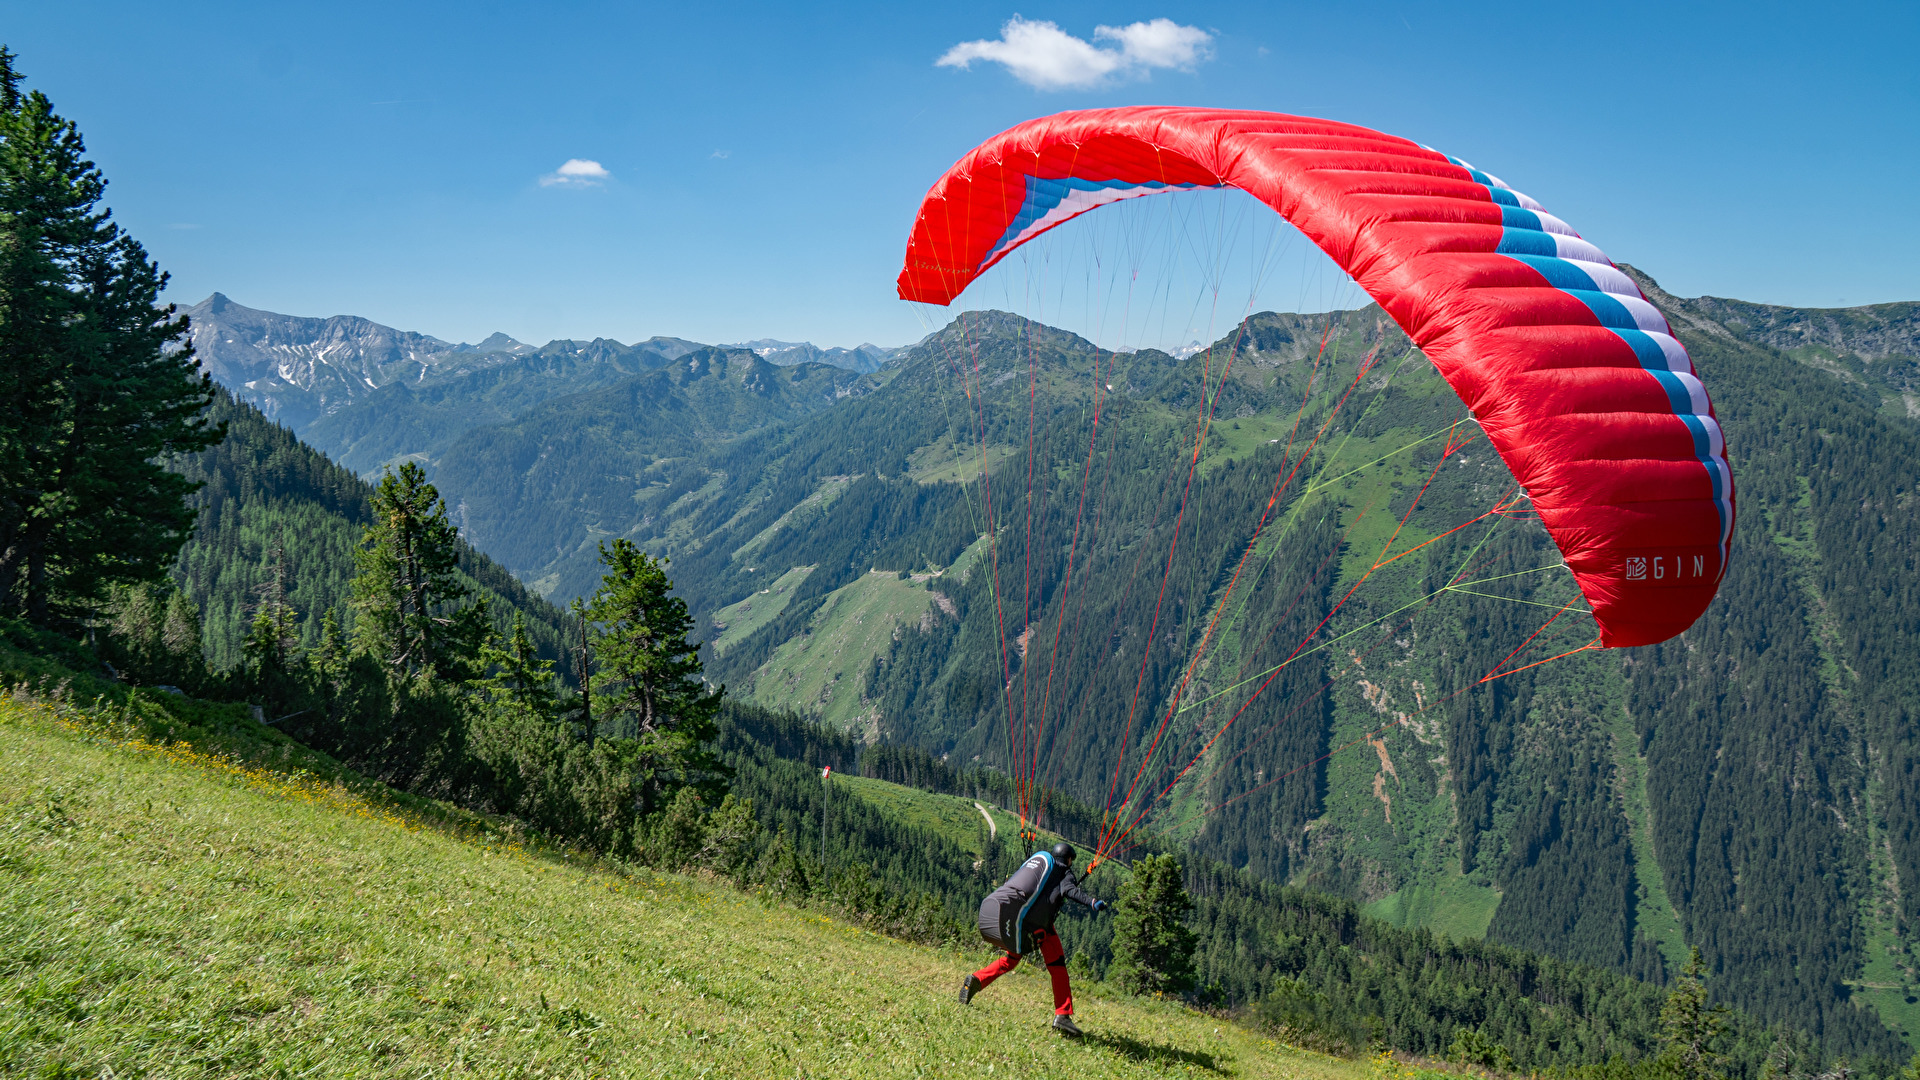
(1100, 907)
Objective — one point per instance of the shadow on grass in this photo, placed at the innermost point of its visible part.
(1154, 1053)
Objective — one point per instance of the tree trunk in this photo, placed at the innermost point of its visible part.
(586, 683)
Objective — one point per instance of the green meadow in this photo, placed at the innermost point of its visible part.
(169, 912)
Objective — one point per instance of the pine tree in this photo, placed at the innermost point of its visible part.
(151, 636)
(99, 384)
(271, 674)
(582, 654)
(1152, 946)
(731, 831)
(181, 637)
(406, 598)
(646, 682)
(1690, 1028)
(522, 682)
(329, 668)
(1782, 1057)
(677, 832)
(9, 81)
(275, 632)
(1471, 1047)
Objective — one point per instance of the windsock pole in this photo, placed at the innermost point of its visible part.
(826, 774)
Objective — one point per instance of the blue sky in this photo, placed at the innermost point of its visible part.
(762, 163)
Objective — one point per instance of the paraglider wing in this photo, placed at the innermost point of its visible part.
(1576, 379)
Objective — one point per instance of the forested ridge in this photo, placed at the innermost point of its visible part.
(536, 490)
(1804, 672)
(399, 419)
(266, 501)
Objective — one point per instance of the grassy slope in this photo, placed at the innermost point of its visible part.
(165, 914)
(1904, 404)
(1456, 907)
(946, 461)
(953, 817)
(822, 672)
(1654, 912)
(801, 514)
(736, 621)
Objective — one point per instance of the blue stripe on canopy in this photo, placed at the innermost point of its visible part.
(1652, 356)
(1560, 273)
(1611, 312)
(1046, 193)
(1519, 217)
(1527, 242)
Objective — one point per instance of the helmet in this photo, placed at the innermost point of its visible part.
(1063, 851)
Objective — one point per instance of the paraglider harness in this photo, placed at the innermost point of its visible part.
(1003, 915)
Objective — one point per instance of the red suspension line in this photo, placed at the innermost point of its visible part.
(1324, 563)
(1205, 420)
(1099, 518)
(1275, 673)
(1379, 561)
(1066, 597)
(1285, 477)
(1281, 479)
(1489, 677)
(1140, 818)
(1026, 592)
(993, 542)
(1146, 652)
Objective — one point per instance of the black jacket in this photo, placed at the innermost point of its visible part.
(1029, 901)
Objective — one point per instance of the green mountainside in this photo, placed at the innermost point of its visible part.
(268, 500)
(1748, 788)
(1877, 345)
(420, 419)
(1264, 624)
(539, 492)
(433, 418)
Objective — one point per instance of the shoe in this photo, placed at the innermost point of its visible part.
(1064, 1024)
(968, 988)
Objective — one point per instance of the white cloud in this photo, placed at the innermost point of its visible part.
(1159, 43)
(576, 172)
(1046, 57)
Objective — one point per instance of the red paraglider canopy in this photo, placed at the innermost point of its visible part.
(1576, 379)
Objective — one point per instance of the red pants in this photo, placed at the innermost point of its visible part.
(1056, 959)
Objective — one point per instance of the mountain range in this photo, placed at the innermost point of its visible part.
(1749, 788)
(863, 358)
(304, 371)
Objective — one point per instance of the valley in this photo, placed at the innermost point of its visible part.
(828, 528)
